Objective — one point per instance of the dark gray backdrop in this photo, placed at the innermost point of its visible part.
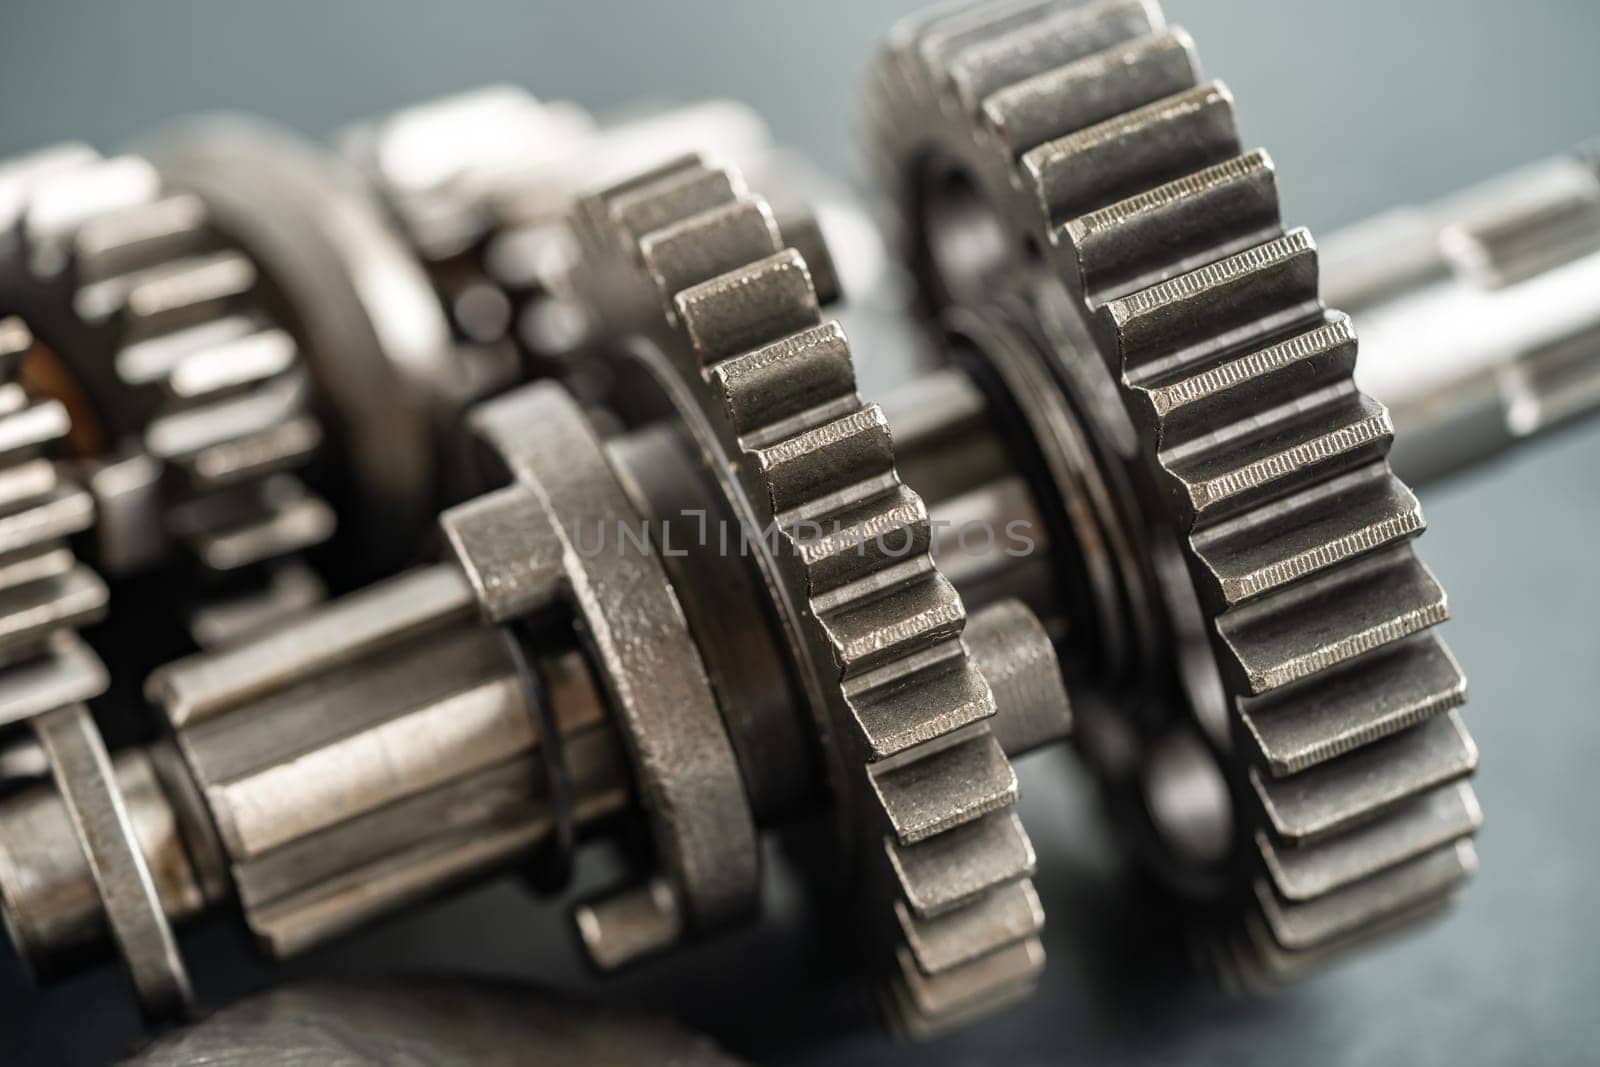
(1362, 103)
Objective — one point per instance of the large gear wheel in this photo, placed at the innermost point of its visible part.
(188, 402)
(924, 792)
(1072, 153)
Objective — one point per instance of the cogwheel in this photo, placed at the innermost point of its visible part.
(730, 323)
(1072, 153)
(46, 594)
(188, 403)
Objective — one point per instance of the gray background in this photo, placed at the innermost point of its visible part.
(1362, 103)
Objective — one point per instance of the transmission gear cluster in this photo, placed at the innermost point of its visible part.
(497, 483)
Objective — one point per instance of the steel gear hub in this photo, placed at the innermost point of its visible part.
(1072, 154)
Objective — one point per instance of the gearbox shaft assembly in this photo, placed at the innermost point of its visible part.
(509, 488)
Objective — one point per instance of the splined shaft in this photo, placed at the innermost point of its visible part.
(1478, 315)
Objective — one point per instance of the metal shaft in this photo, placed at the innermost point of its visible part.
(1478, 315)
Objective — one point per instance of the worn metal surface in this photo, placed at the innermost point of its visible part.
(1075, 154)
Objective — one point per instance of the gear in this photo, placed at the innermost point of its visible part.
(924, 792)
(188, 403)
(1071, 153)
(46, 594)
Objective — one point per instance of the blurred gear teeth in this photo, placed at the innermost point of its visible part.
(1088, 131)
(46, 594)
(188, 402)
(926, 795)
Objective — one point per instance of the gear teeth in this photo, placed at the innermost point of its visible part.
(715, 241)
(1160, 142)
(67, 672)
(52, 561)
(681, 191)
(782, 386)
(225, 368)
(1305, 534)
(1059, 36)
(1192, 403)
(748, 307)
(937, 35)
(955, 868)
(272, 450)
(906, 702)
(1000, 918)
(1360, 607)
(169, 297)
(1278, 451)
(1299, 727)
(1419, 826)
(60, 200)
(30, 613)
(1090, 90)
(860, 540)
(1265, 966)
(158, 321)
(1174, 228)
(1271, 466)
(820, 466)
(903, 611)
(944, 789)
(235, 438)
(152, 361)
(919, 703)
(28, 426)
(1352, 789)
(27, 483)
(290, 520)
(1318, 923)
(62, 512)
(121, 242)
(1240, 300)
(933, 1004)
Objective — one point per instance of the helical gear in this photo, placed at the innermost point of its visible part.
(1073, 154)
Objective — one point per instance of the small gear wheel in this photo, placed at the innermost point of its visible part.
(726, 318)
(1303, 771)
